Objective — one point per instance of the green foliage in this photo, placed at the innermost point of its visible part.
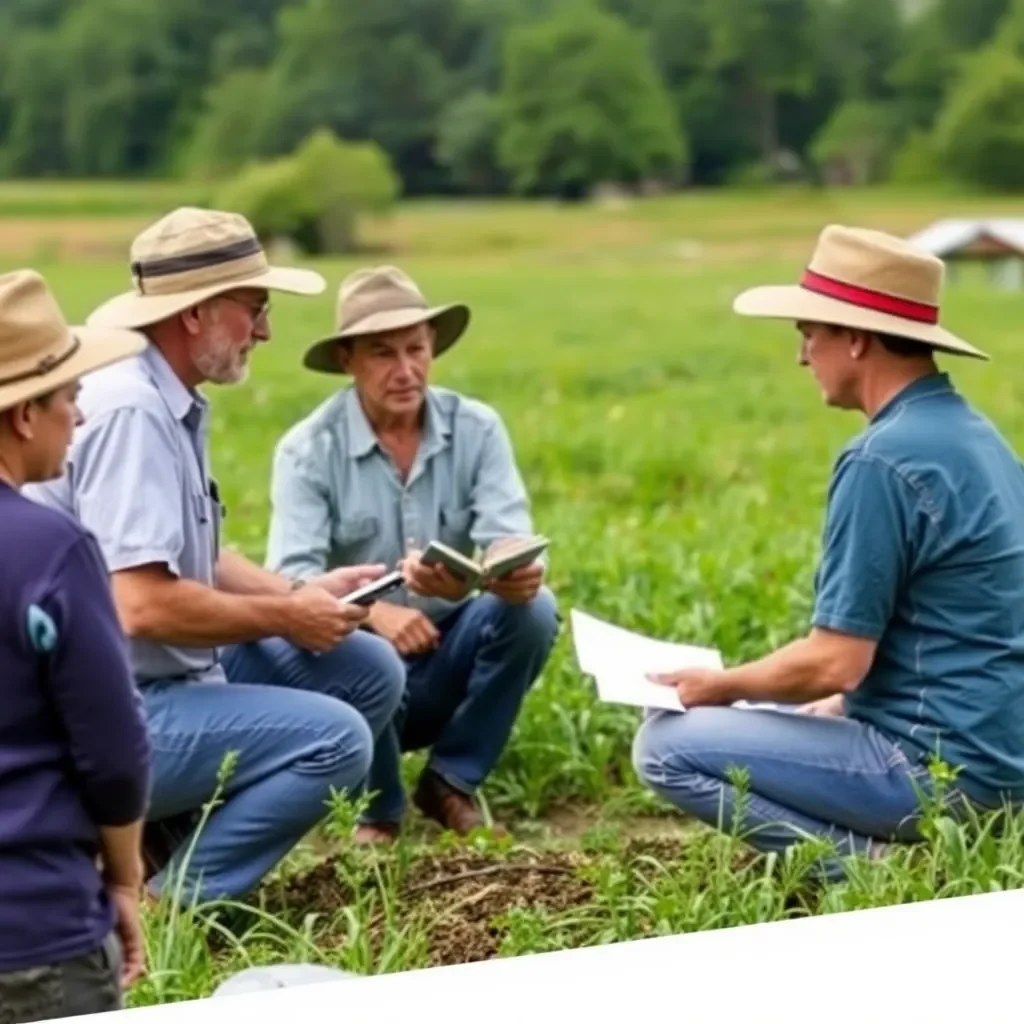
(855, 145)
(583, 104)
(467, 142)
(703, 88)
(315, 196)
(231, 128)
(980, 134)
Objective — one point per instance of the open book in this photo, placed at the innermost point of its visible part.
(510, 556)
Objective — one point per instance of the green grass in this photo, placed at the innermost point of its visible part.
(678, 458)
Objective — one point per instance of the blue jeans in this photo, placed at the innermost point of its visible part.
(301, 724)
(807, 777)
(462, 699)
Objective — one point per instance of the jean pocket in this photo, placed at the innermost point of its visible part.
(92, 983)
(33, 994)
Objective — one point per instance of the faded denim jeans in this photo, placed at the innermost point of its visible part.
(83, 985)
(301, 725)
(807, 777)
(462, 700)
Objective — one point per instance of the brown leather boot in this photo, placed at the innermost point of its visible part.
(446, 805)
(378, 833)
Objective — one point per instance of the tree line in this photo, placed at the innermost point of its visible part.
(529, 97)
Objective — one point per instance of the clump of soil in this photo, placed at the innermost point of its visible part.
(458, 896)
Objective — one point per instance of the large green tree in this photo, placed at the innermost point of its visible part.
(583, 104)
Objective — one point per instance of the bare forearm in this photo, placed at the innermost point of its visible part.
(189, 614)
(237, 575)
(121, 855)
(798, 672)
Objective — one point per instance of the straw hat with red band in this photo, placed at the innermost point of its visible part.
(866, 280)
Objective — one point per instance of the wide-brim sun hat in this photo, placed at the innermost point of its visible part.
(39, 351)
(868, 280)
(380, 299)
(192, 255)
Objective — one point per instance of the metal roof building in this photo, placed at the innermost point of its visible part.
(998, 242)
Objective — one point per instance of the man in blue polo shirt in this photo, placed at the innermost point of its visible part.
(916, 651)
(74, 755)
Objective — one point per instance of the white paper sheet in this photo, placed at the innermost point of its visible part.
(619, 660)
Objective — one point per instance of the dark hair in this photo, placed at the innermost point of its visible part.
(907, 348)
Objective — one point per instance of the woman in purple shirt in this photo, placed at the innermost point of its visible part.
(74, 756)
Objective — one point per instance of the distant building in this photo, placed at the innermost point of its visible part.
(999, 244)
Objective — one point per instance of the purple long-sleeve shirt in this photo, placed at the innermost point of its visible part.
(74, 753)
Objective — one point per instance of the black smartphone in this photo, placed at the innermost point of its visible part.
(375, 590)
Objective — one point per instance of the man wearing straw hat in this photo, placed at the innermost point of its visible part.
(74, 755)
(916, 648)
(307, 694)
(377, 472)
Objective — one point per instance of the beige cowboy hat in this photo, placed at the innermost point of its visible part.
(384, 299)
(191, 255)
(868, 280)
(39, 352)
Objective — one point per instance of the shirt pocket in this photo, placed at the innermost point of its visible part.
(454, 522)
(355, 538)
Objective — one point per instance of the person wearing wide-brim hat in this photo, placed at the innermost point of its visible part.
(140, 477)
(74, 754)
(916, 647)
(382, 468)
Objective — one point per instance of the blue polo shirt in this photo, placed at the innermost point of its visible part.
(924, 553)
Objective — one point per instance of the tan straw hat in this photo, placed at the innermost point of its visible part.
(38, 351)
(867, 280)
(384, 299)
(191, 255)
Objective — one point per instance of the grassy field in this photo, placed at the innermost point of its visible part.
(678, 458)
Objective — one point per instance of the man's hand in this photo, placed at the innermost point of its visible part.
(432, 580)
(128, 925)
(827, 707)
(341, 582)
(520, 586)
(408, 629)
(319, 622)
(697, 687)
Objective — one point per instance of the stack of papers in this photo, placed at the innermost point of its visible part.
(619, 661)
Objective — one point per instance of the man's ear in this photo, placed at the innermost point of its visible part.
(860, 343)
(19, 421)
(191, 320)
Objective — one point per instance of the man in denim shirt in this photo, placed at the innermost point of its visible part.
(916, 651)
(377, 472)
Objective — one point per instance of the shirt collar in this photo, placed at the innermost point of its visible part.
(924, 387)
(363, 440)
(180, 399)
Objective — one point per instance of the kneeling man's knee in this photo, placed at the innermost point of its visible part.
(535, 623)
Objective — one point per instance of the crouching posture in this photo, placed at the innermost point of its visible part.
(917, 645)
(374, 474)
(230, 658)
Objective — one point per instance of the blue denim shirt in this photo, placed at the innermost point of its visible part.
(924, 553)
(138, 478)
(338, 499)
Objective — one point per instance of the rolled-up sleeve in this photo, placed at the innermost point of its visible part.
(299, 535)
(92, 689)
(128, 488)
(501, 506)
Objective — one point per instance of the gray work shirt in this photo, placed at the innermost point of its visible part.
(137, 476)
(337, 497)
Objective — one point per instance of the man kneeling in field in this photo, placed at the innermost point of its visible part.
(917, 645)
(379, 471)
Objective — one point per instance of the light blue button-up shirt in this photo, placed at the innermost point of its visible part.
(138, 477)
(337, 497)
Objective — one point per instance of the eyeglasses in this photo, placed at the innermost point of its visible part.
(256, 312)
